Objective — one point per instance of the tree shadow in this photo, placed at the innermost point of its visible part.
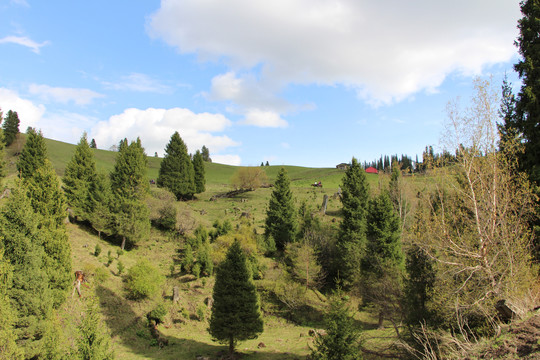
(133, 333)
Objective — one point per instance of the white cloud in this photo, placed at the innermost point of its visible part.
(64, 95)
(227, 159)
(139, 83)
(155, 127)
(385, 50)
(23, 41)
(263, 118)
(29, 114)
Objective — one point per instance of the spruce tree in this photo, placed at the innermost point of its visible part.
(382, 264)
(341, 341)
(528, 69)
(99, 204)
(2, 146)
(30, 292)
(33, 154)
(176, 172)
(79, 174)
(93, 144)
(11, 127)
(8, 347)
(93, 340)
(236, 313)
(129, 187)
(199, 177)
(206, 154)
(352, 232)
(281, 214)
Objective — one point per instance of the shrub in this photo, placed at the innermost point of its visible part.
(158, 313)
(185, 313)
(109, 258)
(120, 267)
(167, 217)
(143, 280)
(97, 250)
(201, 310)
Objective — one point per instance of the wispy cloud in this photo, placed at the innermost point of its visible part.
(24, 41)
(64, 95)
(139, 83)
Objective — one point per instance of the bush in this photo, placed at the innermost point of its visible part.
(158, 313)
(97, 250)
(201, 310)
(143, 280)
(167, 217)
(120, 267)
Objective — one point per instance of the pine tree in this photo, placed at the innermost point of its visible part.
(341, 339)
(176, 171)
(11, 127)
(236, 313)
(33, 154)
(528, 68)
(281, 214)
(199, 173)
(382, 264)
(129, 187)
(8, 348)
(79, 174)
(30, 293)
(2, 146)
(93, 340)
(352, 231)
(206, 154)
(93, 144)
(99, 204)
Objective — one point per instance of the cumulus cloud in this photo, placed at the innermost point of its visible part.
(29, 113)
(227, 159)
(64, 95)
(155, 127)
(385, 50)
(139, 83)
(263, 118)
(24, 41)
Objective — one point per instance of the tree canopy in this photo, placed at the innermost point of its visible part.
(176, 171)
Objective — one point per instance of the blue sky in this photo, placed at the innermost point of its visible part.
(292, 82)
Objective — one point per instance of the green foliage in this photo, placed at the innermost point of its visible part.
(158, 313)
(93, 340)
(143, 280)
(131, 219)
(128, 178)
(281, 215)
(176, 171)
(167, 217)
(188, 260)
(97, 250)
(236, 313)
(93, 144)
(99, 204)
(220, 228)
(341, 341)
(199, 173)
(11, 127)
(8, 346)
(33, 154)
(78, 177)
(110, 258)
(2, 152)
(201, 312)
(248, 178)
(303, 264)
(121, 267)
(206, 154)
(352, 231)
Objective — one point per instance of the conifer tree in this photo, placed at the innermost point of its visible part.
(79, 174)
(93, 144)
(8, 347)
(33, 154)
(30, 292)
(352, 231)
(93, 340)
(341, 339)
(281, 214)
(176, 172)
(382, 264)
(236, 313)
(199, 176)
(99, 204)
(206, 154)
(11, 127)
(2, 146)
(129, 187)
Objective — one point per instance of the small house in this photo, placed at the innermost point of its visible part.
(371, 170)
(342, 166)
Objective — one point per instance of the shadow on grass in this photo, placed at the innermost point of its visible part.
(133, 333)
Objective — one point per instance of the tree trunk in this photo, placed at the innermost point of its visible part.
(381, 319)
(231, 346)
(324, 204)
(123, 242)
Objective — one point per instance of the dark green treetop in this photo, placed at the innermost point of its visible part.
(236, 313)
(206, 154)
(176, 172)
(33, 154)
(198, 167)
(281, 215)
(128, 178)
(11, 127)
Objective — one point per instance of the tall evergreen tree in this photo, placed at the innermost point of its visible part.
(129, 187)
(79, 174)
(199, 177)
(176, 172)
(93, 341)
(341, 341)
(93, 144)
(528, 68)
(281, 214)
(508, 127)
(2, 146)
(236, 313)
(382, 264)
(8, 347)
(30, 292)
(206, 154)
(352, 231)
(11, 127)
(99, 204)
(33, 154)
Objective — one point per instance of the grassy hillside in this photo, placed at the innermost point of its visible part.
(185, 331)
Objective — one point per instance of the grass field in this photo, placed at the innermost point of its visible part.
(188, 337)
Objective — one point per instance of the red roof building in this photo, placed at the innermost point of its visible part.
(371, 170)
